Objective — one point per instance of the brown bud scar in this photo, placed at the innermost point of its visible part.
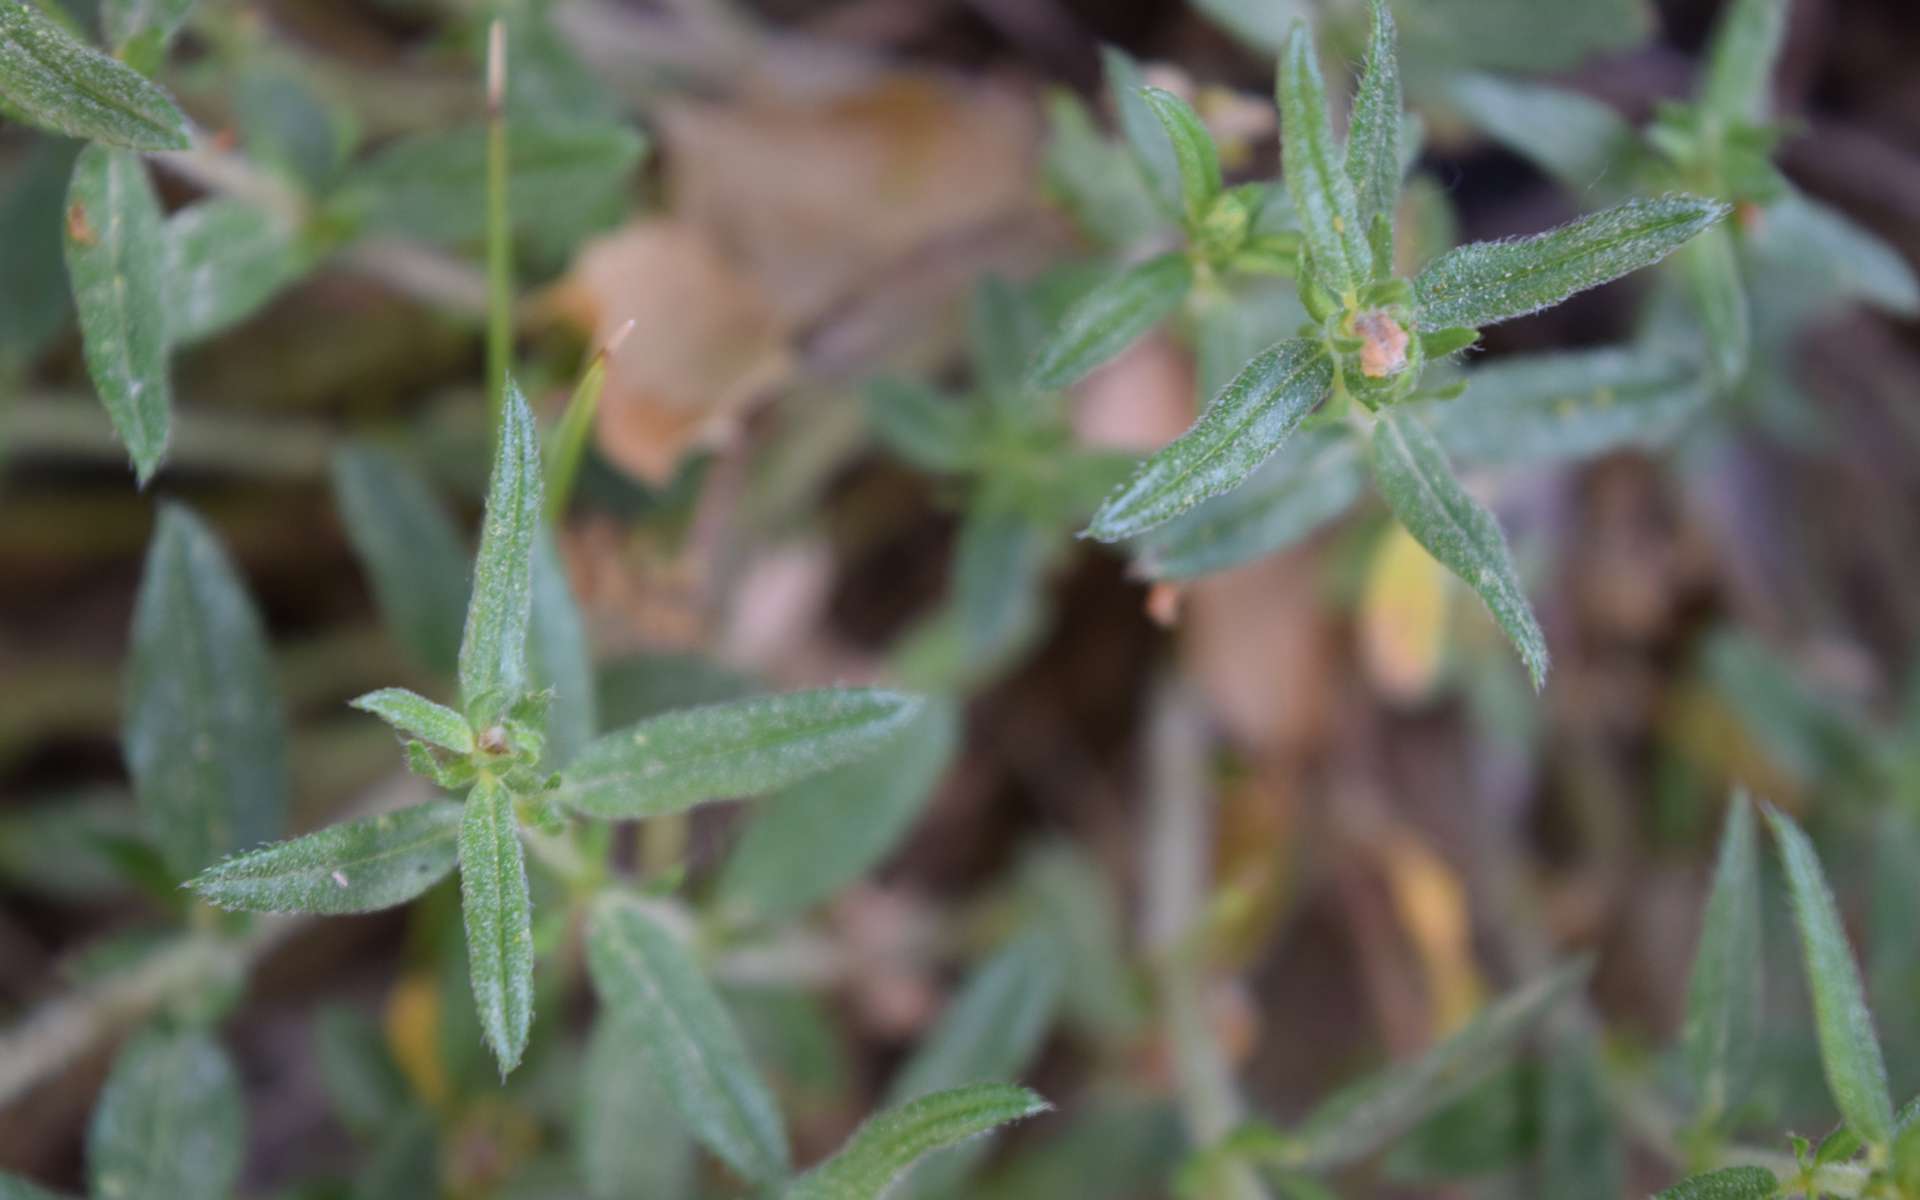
(78, 230)
(1163, 604)
(1383, 349)
(494, 739)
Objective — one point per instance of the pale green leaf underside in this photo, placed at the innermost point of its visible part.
(646, 977)
(57, 83)
(493, 651)
(1723, 992)
(225, 259)
(203, 732)
(732, 749)
(116, 262)
(1250, 419)
(355, 867)
(498, 912)
(1412, 473)
(1107, 319)
(887, 1146)
(169, 1125)
(1849, 1050)
(629, 1140)
(1488, 282)
(417, 716)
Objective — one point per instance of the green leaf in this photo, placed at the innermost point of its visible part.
(1243, 427)
(368, 1090)
(1004, 329)
(1572, 404)
(493, 651)
(169, 1123)
(1368, 1115)
(1805, 241)
(1066, 892)
(33, 198)
(933, 432)
(225, 259)
(60, 846)
(50, 80)
(12, 1187)
(1711, 265)
(672, 762)
(1312, 160)
(999, 572)
(1579, 141)
(559, 658)
(116, 261)
(639, 686)
(821, 834)
(1108, 318)
(1193, 151)
(404, 1161)
(417, 716)
(1849, 1051)
(1262, 25)
(1723, 992)
(410, 549)
(1373, 131)
(646, 977)
(1094, 180)
(499, 920)
(629, 1140)
(433, 185)
(1490, 1127)
(1412, 473)
(354, 867)
(1153, 152)
(1108, 1146)
(1738, 88)
(1732, 1183)
(1526, 35)
(139, 30)
(887, 1146)
(1314, 478)
(203, 733)
(1488, 282)
(1580, 1156)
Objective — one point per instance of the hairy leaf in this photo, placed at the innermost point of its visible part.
(741, 748)
(645, 976)
(493, 650)
(1809, 241)
(1418, 485)
(1849, 1051)
(116, 261)
(169, 1125)
(1573, 404)
(1723, 992)
(1746, 44)
(821, 834)
(1579, 141)
(1488, 282)
(203, 732)
(1108, 318)
(1311, 159)
(1373, 131)
(151, 22)
(417, 716)
(1314, 478)
(1731, 1183)
(411, 551)
(1241, 429)
(1193, 151)
(50, 80)
(225, 259)
(1153, 152)
(887, 1146)
(499, 918)
(629, 1139)
(355, 867)
(1711, 265)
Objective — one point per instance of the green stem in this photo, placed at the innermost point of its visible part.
(499, 233)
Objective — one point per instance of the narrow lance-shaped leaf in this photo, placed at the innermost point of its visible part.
(1730, 1183)
(1580, 1154)
(1746, 44)
(645, 976)
(999, 569)
(1250, 419)
(410, 550)
(1723, 992)
(1412, 473)
(1711, 264)
(932, 431)
(1373, 132)
(628, 1139)
(417, 716)
(558, 657)
(1003, 328)
(887, 1146)
(739, 748)
(152, 21)
(1488, 282)
(493, 651)
(50, 80)
(1153, 153)
(116, 262)
(1849, 1051)
(169, 1125)
(225, 259)
(358, 866)
(1107, 319)
(1314, 478)
(1577, 140)
(1311, 161)
(1811, 241)
(203, 732)
(1193, 151)
(499, 917)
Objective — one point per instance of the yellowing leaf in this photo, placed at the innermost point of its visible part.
(1433, 907)
(1403, 618)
